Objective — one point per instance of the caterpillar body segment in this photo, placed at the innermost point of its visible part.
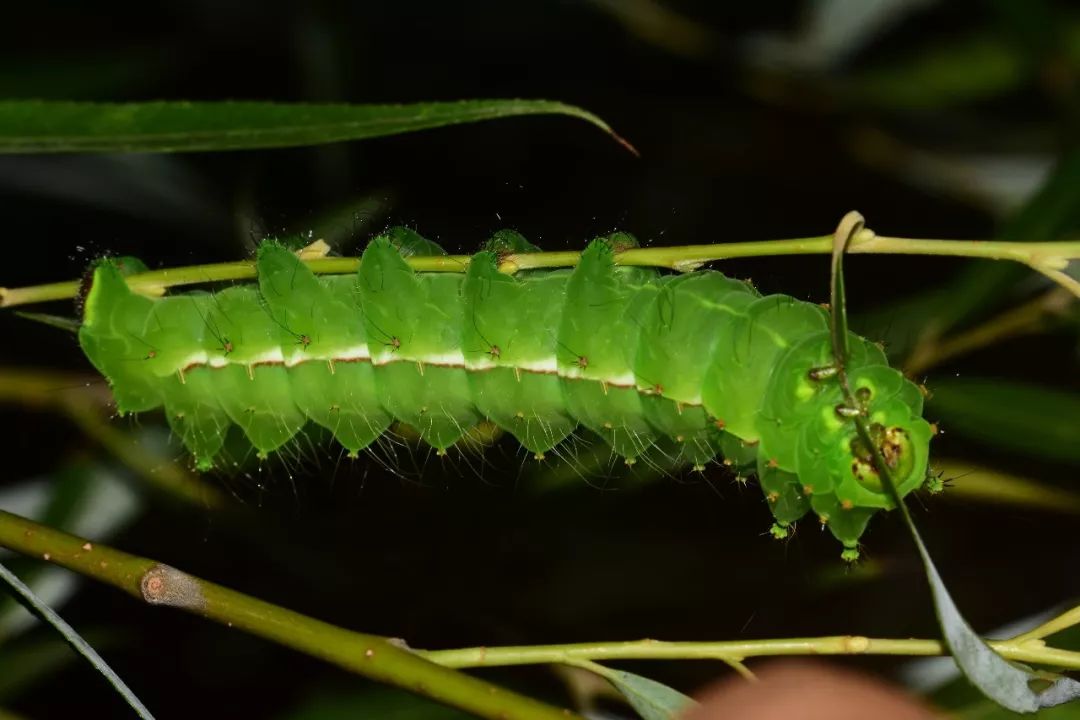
(598, 344)
(413, 324)
(694, 367)
(510, 346)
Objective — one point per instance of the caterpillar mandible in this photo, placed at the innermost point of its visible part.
(695, 366)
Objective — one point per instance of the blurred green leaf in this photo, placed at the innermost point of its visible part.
(1012, 416)
(1051, 214)
(651, 700)
(982, 484)
(962, 71)
(965, 69)
(41, 126)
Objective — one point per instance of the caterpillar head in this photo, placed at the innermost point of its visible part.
(896, 448)
(832, 452)
(831, 448)
(809, 428)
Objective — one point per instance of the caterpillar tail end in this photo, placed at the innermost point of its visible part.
(850, 554)
(780, 531)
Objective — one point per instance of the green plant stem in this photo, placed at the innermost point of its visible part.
(1055, 625)
(368, 655)
(1049, 258)
(159, 584)
(1030, 317)
(1029, 650)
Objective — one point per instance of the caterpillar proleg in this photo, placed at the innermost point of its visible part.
(696, 365)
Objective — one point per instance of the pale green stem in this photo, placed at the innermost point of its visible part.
(380, 659)
(1026, 318)
(1064, 621)
(1049, 258)
(1032, 651)
(368, 655)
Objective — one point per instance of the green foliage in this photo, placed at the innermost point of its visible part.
(1011, 416)
(40, 126)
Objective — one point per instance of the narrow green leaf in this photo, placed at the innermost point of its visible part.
(961, 71)
(1004, 683)
(1013, 416)
(57, 321)
(958, 700)
(652, 700)
(42, 126)
(27, 599)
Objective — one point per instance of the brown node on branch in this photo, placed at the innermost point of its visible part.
(165, 585)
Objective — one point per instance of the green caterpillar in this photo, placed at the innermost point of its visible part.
(694, 366)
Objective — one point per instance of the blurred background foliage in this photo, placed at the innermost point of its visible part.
(754, 121)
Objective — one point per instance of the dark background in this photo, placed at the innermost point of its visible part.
(734, 145)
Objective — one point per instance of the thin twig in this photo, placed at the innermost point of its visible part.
(1049, 258)
(1023, 319)
(1023, 650)
(368, 655)
(160, 584)
(1063, 621)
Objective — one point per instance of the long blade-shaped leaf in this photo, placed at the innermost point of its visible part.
(1002, 682)
(42, 126)
(31, 602)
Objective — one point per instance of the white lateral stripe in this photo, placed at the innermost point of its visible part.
(386, 356)
(543, 365)
(356, 352)
(273, 355)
